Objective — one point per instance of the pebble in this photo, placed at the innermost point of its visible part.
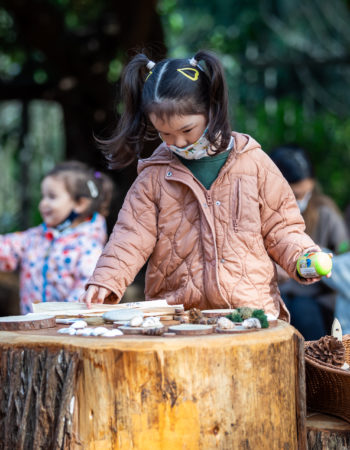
(225, 324)
(252, 322)
(136, 321)
(79, 324)
(98, 331)
(112, 333)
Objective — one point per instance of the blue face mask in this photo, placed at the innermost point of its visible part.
(197, 150)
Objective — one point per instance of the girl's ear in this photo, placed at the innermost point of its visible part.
(82, 204)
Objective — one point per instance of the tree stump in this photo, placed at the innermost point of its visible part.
(326, 432)
(138, 392)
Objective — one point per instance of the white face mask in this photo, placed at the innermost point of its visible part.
(197, 150)
(303, 202)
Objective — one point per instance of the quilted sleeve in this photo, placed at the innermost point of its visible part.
(11, 249)
(132, 240)
(281, 222)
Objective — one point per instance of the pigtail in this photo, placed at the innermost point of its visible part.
(219, 121)
(125, 145)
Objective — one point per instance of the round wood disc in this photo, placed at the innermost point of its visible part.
(131, 330)
(217, 312)
(18, 323)
(191, 329)
(236, 330)
(121, 314)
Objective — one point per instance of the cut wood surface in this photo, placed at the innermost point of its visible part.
(184, 392)
(326, 432)
(13, 323)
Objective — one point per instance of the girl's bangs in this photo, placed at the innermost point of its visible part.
(164, 109)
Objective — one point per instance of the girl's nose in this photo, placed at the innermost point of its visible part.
(180, 141)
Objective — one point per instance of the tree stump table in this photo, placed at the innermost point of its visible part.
(237, 391)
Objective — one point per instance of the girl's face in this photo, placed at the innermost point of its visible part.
(180, 130)
(56, 203)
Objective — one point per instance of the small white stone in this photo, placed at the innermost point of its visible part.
(252, 322)
(72, 331)
(79, 324)
(63, 330)
(98, 331)
(112, 333)
(152, 322)
(87, 331)
(80, 332)
(136, 321)
(225, 324)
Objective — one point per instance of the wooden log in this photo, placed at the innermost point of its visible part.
(326, 432)
(185, 392)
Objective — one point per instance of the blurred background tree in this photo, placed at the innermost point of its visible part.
(60, 61)
(288, 68)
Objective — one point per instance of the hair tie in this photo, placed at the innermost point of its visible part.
(92, 188)
(193, 62)
(150, 65)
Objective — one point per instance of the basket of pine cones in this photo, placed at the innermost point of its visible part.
(328, 376)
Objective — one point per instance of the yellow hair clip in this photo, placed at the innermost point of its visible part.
(193, 77)
(150, 73)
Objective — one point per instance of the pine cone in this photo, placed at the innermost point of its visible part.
(328, 350)
(195, 315)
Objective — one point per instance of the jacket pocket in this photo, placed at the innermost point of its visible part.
(236, 211)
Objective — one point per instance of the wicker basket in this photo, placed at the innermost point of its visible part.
(327, 387)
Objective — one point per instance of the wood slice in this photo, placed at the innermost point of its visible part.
(217, 312)
(237, 329)
(131, 330)
(22, 323)
(191, 329)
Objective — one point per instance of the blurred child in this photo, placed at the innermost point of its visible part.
(57, 257)
(311, 307)
(209, 208)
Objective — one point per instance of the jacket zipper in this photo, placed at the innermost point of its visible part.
(237, 209)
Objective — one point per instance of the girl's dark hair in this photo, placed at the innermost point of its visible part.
(165, 90)
(82, 181)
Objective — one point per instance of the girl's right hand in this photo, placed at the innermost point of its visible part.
(95, 294)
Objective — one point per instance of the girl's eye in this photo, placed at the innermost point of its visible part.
(188, 131)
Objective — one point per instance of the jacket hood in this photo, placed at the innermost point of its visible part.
(162, 155)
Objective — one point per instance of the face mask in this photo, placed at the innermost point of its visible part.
(302, 203)
(197, 150)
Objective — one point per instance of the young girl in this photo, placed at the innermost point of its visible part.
(209, 210)
(57, 257)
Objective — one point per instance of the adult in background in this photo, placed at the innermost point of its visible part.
(311, 307)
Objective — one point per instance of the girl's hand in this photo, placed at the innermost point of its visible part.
(95, 294)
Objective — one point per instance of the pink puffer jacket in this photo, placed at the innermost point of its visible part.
(207, 249)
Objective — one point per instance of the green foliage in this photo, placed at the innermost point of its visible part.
(244, 313)
(235, 317)
(259, 314)
(287, 69)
